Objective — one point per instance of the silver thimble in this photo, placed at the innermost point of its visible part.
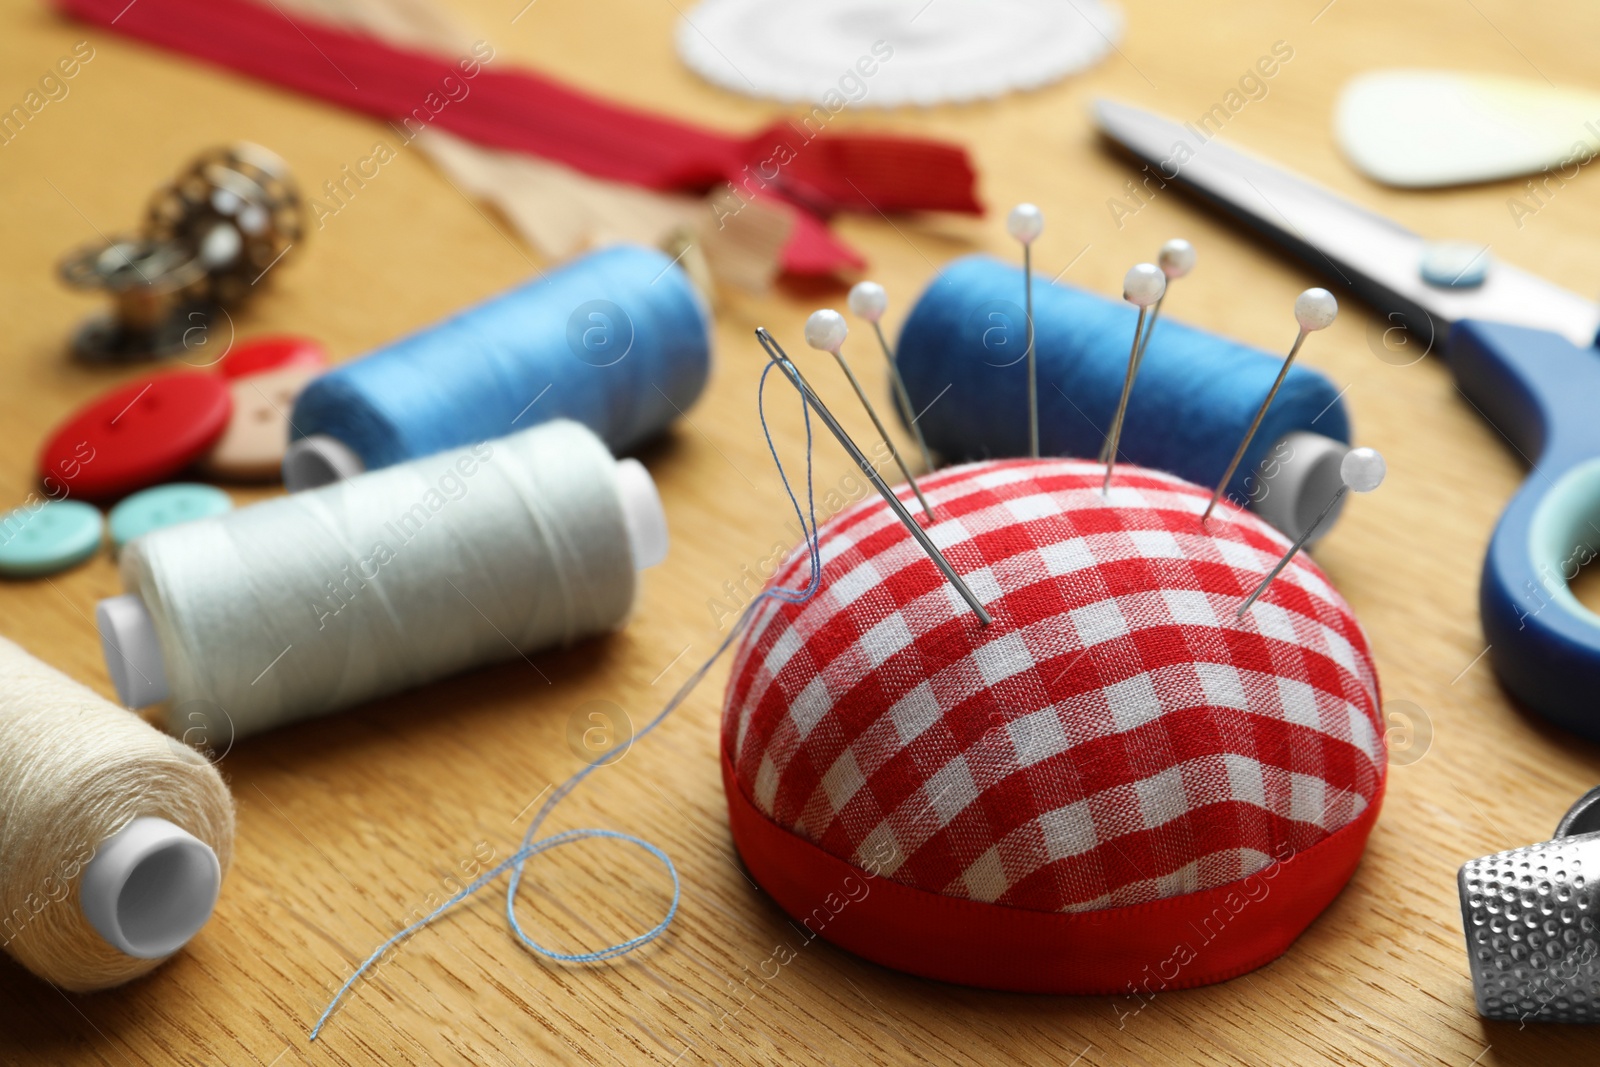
(1532, 920)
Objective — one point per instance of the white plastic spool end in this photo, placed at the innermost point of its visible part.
(132, 650)
(150, 887)
(319, 460)
(643, 514)
(1303, 484)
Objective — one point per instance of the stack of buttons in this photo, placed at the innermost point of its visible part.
(233, 425)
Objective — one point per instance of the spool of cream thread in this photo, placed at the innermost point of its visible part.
(114, 838)
(276, 566)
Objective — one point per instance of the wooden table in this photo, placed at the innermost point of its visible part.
(349, 824)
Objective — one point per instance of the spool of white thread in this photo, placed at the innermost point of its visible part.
(312, 602)
(113, 837)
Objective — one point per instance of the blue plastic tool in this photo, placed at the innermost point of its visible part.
(1522, 350)
(1543, 393)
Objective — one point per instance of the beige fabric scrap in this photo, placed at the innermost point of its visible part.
(560, 211)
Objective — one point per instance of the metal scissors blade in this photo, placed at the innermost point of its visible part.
(1373, 256)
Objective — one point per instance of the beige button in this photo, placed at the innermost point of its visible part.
(252, 447)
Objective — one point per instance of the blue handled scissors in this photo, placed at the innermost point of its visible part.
(1522, 351)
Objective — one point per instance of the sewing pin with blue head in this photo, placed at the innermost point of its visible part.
(869, 301)
(1026, 223)
(1362, 469)
(1142, 286)
(1314, 309)
(826, 331)
(777, 355)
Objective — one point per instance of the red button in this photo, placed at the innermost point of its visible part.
(272, 353)
(136, 435)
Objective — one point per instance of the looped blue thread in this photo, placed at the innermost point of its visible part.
(530, 848)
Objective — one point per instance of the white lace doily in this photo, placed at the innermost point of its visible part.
(819, 51)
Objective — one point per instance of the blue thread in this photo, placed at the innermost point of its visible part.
(1194, 398)
(618, 340)
(530, 848)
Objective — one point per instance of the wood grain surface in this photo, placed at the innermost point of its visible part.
(350, 824)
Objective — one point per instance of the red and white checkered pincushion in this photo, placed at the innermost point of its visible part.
(1115, 752)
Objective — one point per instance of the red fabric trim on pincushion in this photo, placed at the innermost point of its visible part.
(1176, 943)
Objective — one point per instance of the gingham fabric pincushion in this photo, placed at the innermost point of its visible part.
(1116, 783)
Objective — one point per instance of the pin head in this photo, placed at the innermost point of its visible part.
(1143, 285)
(1025, 223)
(1176, 258)
(1362, 469)
(826, 330)
(868, 300)
(1315, 309)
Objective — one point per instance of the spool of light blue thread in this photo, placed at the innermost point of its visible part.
(1194, 398)
(618, 340)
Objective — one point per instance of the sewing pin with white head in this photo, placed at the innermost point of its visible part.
(826, 331)
(1362, 469)
(777, 355)
(1142, 286)
(1314, 309)
(869, 301)
(1026, 223)
(1175, 259)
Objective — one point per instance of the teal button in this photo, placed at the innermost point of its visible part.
(45, 538)
(165, 505)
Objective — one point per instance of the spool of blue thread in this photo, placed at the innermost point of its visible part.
(618, 340)
(962, 351)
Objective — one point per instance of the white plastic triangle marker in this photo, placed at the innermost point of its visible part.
(1425, 128)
